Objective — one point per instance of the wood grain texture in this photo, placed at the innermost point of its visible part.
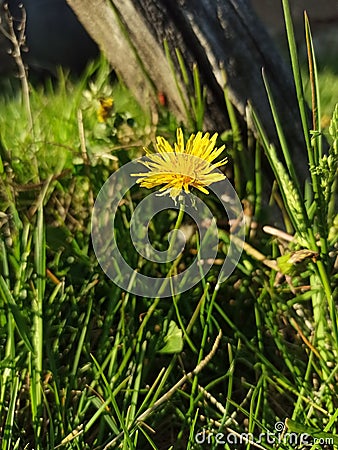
(123, 36)
(218, 35)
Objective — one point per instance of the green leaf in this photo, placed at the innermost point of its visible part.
(295, 262)
(173, 340)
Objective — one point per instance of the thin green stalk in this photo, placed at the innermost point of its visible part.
(319, 316)
(240, 162)
(264, 360)
(138, 366)
(10, 419)
(174, 73)
(15, 312)
(255, 405)
(180, 215)
(230, 375)
(198, 101)
(152, 308)
(258, 182)
(206, 330)
(151, 390)
(297, 76)
(82, 337)
(315, 96)
(303, 387)
(328, 293)
(301, 100)
(37, 308)
(268, 150)
(321, 207)
(181, 324)
(282, 140)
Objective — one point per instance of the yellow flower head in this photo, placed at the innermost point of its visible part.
(183, 166)
(104, 110)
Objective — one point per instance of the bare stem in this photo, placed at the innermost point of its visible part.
(18, 41)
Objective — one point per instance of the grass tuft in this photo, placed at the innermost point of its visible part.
(84, 364)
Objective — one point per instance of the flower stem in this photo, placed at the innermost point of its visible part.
(180, 213)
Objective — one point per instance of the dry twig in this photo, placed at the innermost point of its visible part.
(18, 42)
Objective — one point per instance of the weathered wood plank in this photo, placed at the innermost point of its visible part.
(218, 35)
(131, 49)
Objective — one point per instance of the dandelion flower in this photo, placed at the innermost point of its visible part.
(104, 110)
(183, 166)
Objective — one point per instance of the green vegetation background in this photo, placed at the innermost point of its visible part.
(82, 363)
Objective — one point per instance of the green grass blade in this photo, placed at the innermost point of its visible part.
(281, 137)
(10, 422)
(297, 75)
(177, 81)
(82, 337)
(294, 209)
(37, 307)
(315, 94)
(198, 101)
(19, 319)
(313, 432)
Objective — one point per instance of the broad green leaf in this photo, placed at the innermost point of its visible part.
(173, 340)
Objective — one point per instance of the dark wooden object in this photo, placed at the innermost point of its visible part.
(218, 35)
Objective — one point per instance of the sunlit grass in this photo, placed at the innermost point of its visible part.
(84, 364)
